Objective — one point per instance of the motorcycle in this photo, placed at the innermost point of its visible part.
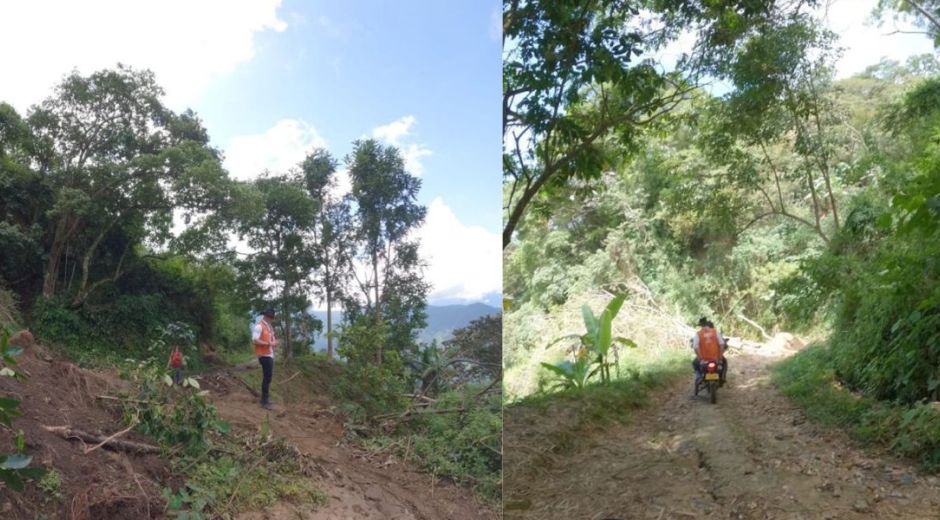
(708, 378)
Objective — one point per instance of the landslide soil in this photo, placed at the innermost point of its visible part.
(753, 455)
(115, 485)
(359, 484)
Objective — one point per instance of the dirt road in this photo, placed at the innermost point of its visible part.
(752, 455)
(359, 485)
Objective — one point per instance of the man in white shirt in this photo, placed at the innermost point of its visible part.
(264, 341)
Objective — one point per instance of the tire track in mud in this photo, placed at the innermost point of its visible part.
(753, 455)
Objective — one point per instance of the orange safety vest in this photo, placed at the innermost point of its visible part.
(267, 336)
(708, 347)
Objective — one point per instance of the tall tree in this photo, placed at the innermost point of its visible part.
(332, 233)
(118, 163)
(387, 215)
(281, 265)
(777, 127)
(22, 206)
(577, 74)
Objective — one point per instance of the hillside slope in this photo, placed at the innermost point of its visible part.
(116, 485)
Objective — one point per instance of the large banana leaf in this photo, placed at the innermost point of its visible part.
(590, 322)
(615, 305)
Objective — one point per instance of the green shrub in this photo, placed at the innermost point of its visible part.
(253, 479)
(909, 430)
(176, 416)
(51, 484)
(465, 447)
(368, 387)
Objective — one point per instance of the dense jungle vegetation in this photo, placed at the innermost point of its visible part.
(747, 183)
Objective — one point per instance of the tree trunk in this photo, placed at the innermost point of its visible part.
(51, 275)
(287, 321)
(86, 264)
(378, 306)
(329, 324)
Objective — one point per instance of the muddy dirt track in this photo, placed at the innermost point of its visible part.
(752, 456)
(359, 485)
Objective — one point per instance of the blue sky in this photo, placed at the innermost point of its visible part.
(347, 68)
(272, 79)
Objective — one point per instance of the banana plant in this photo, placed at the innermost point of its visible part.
(593, 354)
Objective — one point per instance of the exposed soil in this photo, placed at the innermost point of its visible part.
(99, 484)
(753, 455)
(358, 484)
(105, 484)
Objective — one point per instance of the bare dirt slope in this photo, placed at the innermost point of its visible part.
(115, 485)
(358, 485)
(97, 484)
(753, 455)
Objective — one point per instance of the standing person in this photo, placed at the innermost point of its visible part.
(262, 337)
(176, 363)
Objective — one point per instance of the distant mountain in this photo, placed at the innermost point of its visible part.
(442, 320)
(493, 299)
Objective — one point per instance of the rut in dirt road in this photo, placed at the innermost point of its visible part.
(753, 455)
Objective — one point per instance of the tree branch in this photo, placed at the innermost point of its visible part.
(927, 14)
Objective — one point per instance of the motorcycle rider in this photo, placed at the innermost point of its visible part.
(708, 344)
(724, 346)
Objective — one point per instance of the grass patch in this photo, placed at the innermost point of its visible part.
(600, 403)
(911, 431)
(51, 484)
(247, 480)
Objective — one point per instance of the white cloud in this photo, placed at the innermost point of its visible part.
(187, 44)
(412, 155)
(465, 262)
(278, 149)
(393, 133)
(865, 43)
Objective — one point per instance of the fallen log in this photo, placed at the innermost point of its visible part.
(67, 432)
(246, 385)
(288, 379)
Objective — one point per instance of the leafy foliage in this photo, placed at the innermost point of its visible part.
(909, 430)
(592, 355)
(14, 468)
(176, 417)
(370, 388)
(464, 447)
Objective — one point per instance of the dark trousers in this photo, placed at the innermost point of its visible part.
(267, 369)
(178, 376)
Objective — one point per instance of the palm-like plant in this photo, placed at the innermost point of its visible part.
(593, 353)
